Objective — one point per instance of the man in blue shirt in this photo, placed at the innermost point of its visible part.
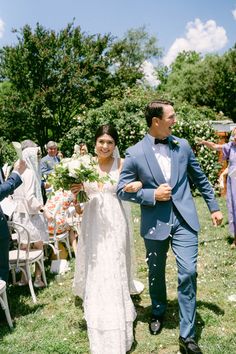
(51, 159)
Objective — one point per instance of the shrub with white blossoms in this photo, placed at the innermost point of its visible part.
(75, 170)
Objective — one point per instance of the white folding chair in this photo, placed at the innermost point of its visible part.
(63, 237)
(4, 302)
(23, 259)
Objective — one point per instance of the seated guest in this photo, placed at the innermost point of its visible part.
(58, 205)
(30, 211)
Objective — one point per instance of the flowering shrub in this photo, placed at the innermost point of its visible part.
(128, 117)
(208, 159)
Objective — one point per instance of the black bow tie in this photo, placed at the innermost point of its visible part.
(161, 141)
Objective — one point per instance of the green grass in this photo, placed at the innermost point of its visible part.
(56, 325)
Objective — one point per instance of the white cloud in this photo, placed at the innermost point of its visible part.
(201, 37)
(234, 13)
(2, 28)
(149, 73)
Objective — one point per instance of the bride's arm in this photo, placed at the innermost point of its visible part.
(131, 187)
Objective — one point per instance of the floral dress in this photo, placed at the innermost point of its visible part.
(58, 205)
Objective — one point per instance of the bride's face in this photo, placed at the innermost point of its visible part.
(105, 146)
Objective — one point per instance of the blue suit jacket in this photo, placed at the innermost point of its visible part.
(48, 163)
(141, 165)
(7, 188)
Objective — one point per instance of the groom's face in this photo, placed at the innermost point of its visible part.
(165, 124)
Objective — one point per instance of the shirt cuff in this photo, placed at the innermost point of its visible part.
(154, 200)
(17, 173)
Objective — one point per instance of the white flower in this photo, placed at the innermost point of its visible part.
(72, 166)
(175, 142)
(75, 163)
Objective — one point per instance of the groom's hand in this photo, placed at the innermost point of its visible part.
(163, 193)
(216, 218)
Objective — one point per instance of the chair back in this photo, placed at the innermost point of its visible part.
(16, 231)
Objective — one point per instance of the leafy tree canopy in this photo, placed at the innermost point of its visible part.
(55, 77)
(203, 82)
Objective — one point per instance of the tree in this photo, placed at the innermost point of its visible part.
(204, 82)
(128, 55)
(55, 76)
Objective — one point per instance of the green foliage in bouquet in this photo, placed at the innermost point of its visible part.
(76, 171)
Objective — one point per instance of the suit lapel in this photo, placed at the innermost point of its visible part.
(152, 162)
(174, 156)
(1, 176)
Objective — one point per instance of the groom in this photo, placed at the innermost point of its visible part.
(164, 164)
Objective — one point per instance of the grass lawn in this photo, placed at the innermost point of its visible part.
(56, 325)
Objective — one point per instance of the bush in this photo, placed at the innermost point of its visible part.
(189, 128)
(7, 152)
(128, 117)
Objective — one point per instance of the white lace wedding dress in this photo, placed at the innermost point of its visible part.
(101, 273)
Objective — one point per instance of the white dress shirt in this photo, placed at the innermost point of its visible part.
(162, 154)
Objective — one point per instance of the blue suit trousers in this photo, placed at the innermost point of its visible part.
(184, 243)
(4, 248)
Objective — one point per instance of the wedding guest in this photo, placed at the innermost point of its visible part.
(229, 154)
(164, 164)
(6, 188)
(51, 159)
(47, 164)
(83, 150)
(30, 211)
(58, 206)
(101, 273)
(60, 155)
(80, 150)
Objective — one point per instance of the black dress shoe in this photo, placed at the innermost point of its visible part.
(188, 346)
(155, 325)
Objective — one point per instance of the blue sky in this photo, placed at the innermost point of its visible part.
(208, 26)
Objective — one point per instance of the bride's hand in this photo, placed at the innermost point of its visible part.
(76, 188)
(133, 187)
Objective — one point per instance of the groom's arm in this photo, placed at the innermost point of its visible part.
(199, 178)
(129, 173)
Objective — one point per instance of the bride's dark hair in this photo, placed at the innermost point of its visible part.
(107, 129)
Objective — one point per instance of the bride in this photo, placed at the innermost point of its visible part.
(102, 272)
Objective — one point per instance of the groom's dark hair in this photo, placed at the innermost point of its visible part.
(155, 109)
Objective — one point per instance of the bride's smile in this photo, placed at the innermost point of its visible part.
(105, 146)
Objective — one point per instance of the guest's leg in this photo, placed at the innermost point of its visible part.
(185, 247)
(73, 240)
(156, 259)
(39, 246)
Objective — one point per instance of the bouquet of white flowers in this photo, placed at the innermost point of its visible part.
(75, 170)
